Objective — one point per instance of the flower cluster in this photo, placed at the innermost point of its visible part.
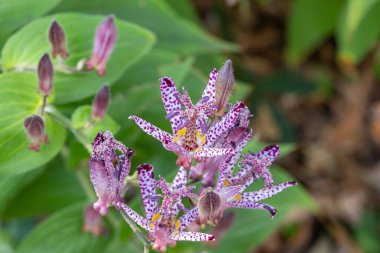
(208, 137)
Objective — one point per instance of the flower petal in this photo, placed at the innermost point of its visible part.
(210, 87)
(172, 105)
(148, 190)
(126, 210)
(266, 192)
(211, 152)
(152, 130)
(188, 218)
(253, 205)
(225, 124)
(193, 236)
(180, 179)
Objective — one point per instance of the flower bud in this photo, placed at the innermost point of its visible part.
(45, 75)
(223, 86)
(209, 207)
(35, 129)
(101, 101)
(104, 42)
(57, 40)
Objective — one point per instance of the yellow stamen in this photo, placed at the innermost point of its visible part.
(197, 133)
(181, 132)
(225, 183)
(198, 149)
(238, 197)
(177, 226)
(156, 217)
(151, 225)
(175, 139)
(203, 139)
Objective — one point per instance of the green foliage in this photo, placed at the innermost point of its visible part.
(20, 100)
(132, 43)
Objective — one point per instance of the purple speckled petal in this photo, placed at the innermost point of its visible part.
(270, 153)
(186, 100)
(126, 210)
(252, 205)
(152, 130)
(193, 236)
(238, 137)
(188, 218)
(225, 124)
(148, 189)
(172, 105)
(163, 186)
(180, 179)
(124, 168)
(266, 192)
(210, 87)
(211, 152)
(228, 193)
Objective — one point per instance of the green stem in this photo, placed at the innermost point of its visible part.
(55, 114)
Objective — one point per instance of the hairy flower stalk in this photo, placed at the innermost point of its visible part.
(192, 137)
(35, 129)
(104, 43)
(100, 104)
(58, 40)
(108, 170)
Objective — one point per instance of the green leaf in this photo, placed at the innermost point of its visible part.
(358, 29)
(177, 71)
(82, 121)
(20, 100)
(14, 14)
(62, 233)
(25, 48)
(173, 32)
(51, 191)
(307, 27)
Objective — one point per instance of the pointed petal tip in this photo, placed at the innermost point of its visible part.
(144, 167)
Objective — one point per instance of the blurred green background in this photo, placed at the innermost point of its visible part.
(308, 70)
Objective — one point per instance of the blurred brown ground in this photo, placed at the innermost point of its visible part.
(337, 136)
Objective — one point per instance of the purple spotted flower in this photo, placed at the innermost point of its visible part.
(109, 165)
(230, 188)
(194, 133)
(104, 43)
(162, 221)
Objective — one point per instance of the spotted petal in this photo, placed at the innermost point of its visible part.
(211, 152)
(266, 192)
(152, 130)
(180, 179)
(253, 205)
(210, 87)
(171, 103)
(188, 218)
(193, 236)
(126, 210)
(225, 124)
(148, 190)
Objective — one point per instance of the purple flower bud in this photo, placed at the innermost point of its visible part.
(104, 42)
(93, 222)
(35, 129)
(57, 40)
(209, 206)
(109, 165)
(223, 86)
(45, 75)
(101, 101)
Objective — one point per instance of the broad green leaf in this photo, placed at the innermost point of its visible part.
(51, 191)
(62, 233)
(173, 32)
(14, 14)
(12, 185)
(177, 71)
(20, 100)
(81, 120)
(358, 29)
(25, 48)
(309, 23)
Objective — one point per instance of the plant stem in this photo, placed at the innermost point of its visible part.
(55, 114)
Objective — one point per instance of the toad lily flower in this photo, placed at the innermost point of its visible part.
(162, 221)
(191, 137)
(108, 170)
(104, 43)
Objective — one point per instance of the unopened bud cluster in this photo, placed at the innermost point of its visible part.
(103, 45)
